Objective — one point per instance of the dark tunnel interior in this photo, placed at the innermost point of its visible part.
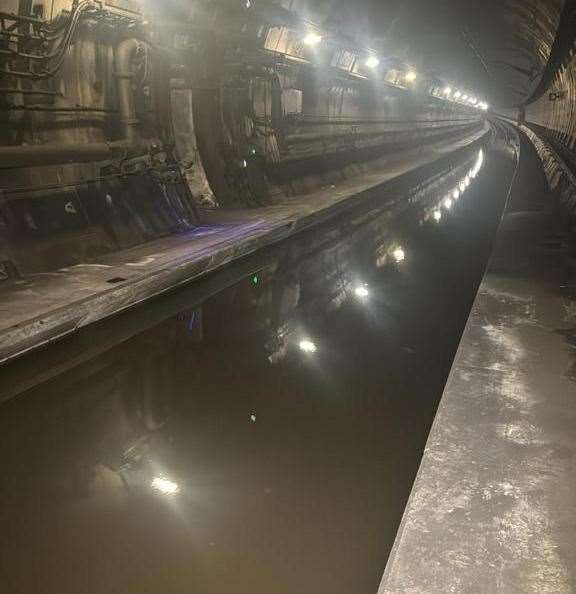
(287, 296)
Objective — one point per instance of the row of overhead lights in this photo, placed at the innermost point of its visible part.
(312, 39)
(461, 97)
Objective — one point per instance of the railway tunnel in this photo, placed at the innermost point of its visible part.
(287, 296)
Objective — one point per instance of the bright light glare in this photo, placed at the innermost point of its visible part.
(165, 486)
(447, 91)
(372, 62)
(307, 346)
(462, 186)
(312, 38)
(411, 76)
(448, 203)
(473, 100)
(464, 97)
(456, 194)
(399, 254)
(361, 291)
(457, 94)
(437, 215)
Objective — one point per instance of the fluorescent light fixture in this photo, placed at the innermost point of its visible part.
(307, 346)
(165, 486)
(399, 254)
(361, 291)
(312, 38)
(372, 62)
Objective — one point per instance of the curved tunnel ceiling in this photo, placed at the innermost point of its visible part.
(496, 49)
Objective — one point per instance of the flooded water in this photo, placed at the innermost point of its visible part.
(259, 431)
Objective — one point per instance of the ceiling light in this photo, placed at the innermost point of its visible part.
(307, 346)
(165, 486)
(372, 62)
(399, 254)
(312, 38)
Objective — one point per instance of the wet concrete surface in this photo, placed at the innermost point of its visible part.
(42, 307)
(493, 508)
(258, 432)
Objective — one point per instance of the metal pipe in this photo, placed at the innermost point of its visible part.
(12, 157)
(123, 56)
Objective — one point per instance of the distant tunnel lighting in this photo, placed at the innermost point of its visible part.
(165, 486)
(307, 346)
(361, 291)
(312, 39)
(399, 255)
(437, 215)
(483, 106)
(448, 203)
(411, 76)
(372, 62)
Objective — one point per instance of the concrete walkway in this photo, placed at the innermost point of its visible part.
(493, 509)
(42, 307)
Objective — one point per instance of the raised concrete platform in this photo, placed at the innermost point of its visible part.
(42, 307)
(493, 508)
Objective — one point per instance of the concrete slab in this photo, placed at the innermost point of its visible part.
(493, 508)
(42, 307)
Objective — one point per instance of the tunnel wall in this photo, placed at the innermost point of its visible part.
(549, 118)
(150, 110)
(551, 110)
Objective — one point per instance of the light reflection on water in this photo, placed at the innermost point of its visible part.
(264, 435)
